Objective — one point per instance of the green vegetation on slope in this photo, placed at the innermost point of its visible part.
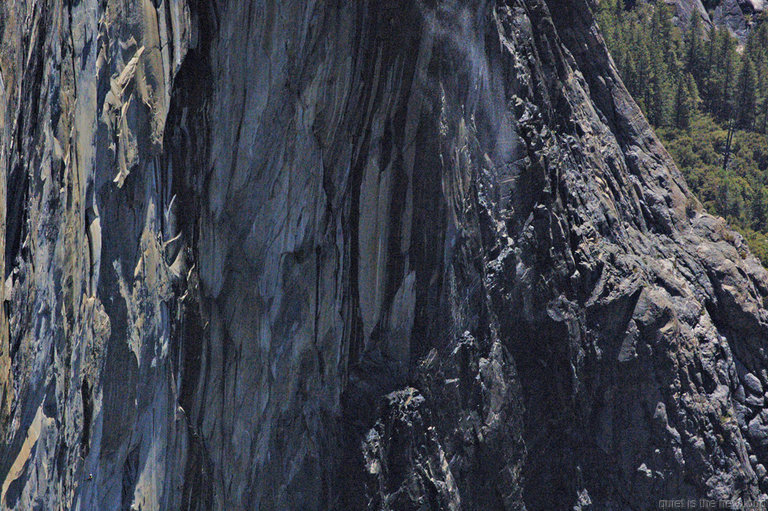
(707, 99)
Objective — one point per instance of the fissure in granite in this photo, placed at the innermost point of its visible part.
(328, 255)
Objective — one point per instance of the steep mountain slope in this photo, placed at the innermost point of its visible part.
(350, 255)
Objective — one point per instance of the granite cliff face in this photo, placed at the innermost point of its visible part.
(357, 255)
(738, 16)
(684, 10)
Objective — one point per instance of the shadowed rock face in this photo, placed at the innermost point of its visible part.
(731, 14)
(738, 16)
(357, 255)
(684, 10)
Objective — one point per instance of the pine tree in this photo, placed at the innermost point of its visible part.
(720, 84)
(662, 33)
(642, 63)
(693, 47)
(759, 209)
(619, 9)
(686, 101)
(746, 100)
(657, 90)
(764, 116)
(756, 41)
(705, 75)
(711, 47)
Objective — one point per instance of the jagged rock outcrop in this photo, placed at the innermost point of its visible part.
(738, 16)
(358, 255)
(684, 10)
(732, 14)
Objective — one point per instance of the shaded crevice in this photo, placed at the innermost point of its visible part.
(130, 474)
(185, 157)
(85, 438)
(17, 186)
(391, 34)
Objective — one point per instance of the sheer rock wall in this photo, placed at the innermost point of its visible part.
(348, 255)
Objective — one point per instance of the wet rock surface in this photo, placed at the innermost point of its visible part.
(362, 255)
